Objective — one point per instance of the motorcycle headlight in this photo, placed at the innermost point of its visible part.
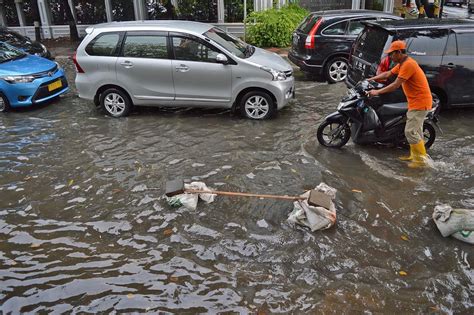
(18, 78)
(344, 104)
(277, 75)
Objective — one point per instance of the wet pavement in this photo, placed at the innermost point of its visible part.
(84, 228)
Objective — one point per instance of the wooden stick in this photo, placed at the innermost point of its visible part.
(230, 193)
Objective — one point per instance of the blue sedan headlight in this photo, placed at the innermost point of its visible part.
(18, 78)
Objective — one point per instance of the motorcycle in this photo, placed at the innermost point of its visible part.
(369, 121)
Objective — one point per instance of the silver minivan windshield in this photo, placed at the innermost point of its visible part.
(234, 45)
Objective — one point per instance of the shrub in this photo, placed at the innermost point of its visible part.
(273, 27)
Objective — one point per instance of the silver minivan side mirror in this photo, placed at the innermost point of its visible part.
(221, 58)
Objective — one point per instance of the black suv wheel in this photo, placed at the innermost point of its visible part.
(336, 69)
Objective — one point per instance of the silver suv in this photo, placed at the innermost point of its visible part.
(179, 63)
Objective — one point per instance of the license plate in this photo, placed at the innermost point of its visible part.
(55, 85)
(359, 65)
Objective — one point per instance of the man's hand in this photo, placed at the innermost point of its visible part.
(373, 93)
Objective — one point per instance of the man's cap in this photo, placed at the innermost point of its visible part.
(396, 45)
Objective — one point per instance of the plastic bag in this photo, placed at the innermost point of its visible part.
(190, 200)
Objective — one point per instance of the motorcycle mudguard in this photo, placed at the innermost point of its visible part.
(336, 117)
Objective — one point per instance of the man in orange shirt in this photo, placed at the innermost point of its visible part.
(417, 91)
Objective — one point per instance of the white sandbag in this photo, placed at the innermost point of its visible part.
(316, 218)
(458, 223)
(190, 200)
(201, 186)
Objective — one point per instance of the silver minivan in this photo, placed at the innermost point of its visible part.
(179, 63)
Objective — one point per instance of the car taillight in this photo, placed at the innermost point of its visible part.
(78, 67)
(309, 43)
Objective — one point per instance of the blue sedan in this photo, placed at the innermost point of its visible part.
(26, 80)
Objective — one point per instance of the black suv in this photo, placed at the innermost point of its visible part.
(322, 42)
(24, 43)
(444, 49)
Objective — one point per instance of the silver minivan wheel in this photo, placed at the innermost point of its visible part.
(3, 104)
(337, 70)
(257, 105)
(115, 103)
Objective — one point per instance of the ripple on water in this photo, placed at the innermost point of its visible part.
(85, 229)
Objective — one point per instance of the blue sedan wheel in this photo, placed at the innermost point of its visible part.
(3, 104)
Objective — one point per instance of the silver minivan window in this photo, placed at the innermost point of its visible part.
(234, 45)
(145, 46)
(103, 45)
(186, 48)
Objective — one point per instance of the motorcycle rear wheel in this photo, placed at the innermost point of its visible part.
(333, 134)
(429, 136)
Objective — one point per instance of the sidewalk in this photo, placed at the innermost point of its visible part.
(61, 47)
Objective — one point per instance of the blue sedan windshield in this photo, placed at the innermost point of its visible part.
(8, 53)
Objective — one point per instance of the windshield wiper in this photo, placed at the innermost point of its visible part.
(18, 57)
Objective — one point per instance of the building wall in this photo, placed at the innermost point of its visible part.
(50, 30)
(319, 5)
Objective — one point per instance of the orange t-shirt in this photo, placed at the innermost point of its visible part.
(416, 86)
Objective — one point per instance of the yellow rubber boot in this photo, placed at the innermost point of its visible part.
(436, 12)
(419, 155)
(422, 11)
(407, 157)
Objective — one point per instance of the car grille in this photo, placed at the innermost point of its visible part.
(48, 73)
(43, 91)
(288, 73)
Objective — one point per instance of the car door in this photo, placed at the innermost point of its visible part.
(334, 39)
(198, 78)
(457, 68)
(144, 67)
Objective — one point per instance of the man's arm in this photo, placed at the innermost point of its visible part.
(383, 76)
(389, 88)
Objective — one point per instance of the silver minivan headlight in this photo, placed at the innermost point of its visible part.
(277, 75)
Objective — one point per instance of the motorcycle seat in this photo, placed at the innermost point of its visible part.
(394, 109)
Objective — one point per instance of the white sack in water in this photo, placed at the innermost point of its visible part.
(316, 218)
(458, 223)
(190, 200)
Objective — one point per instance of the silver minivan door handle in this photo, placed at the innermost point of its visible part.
(182, 68)
(127, 64)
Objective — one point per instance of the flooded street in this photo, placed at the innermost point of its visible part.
(84, 226)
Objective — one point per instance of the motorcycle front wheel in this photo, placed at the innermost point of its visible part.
(333, 134)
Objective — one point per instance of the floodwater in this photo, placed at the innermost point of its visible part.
(84, 227)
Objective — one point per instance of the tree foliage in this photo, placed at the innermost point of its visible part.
(198, 10)
(274, 27)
